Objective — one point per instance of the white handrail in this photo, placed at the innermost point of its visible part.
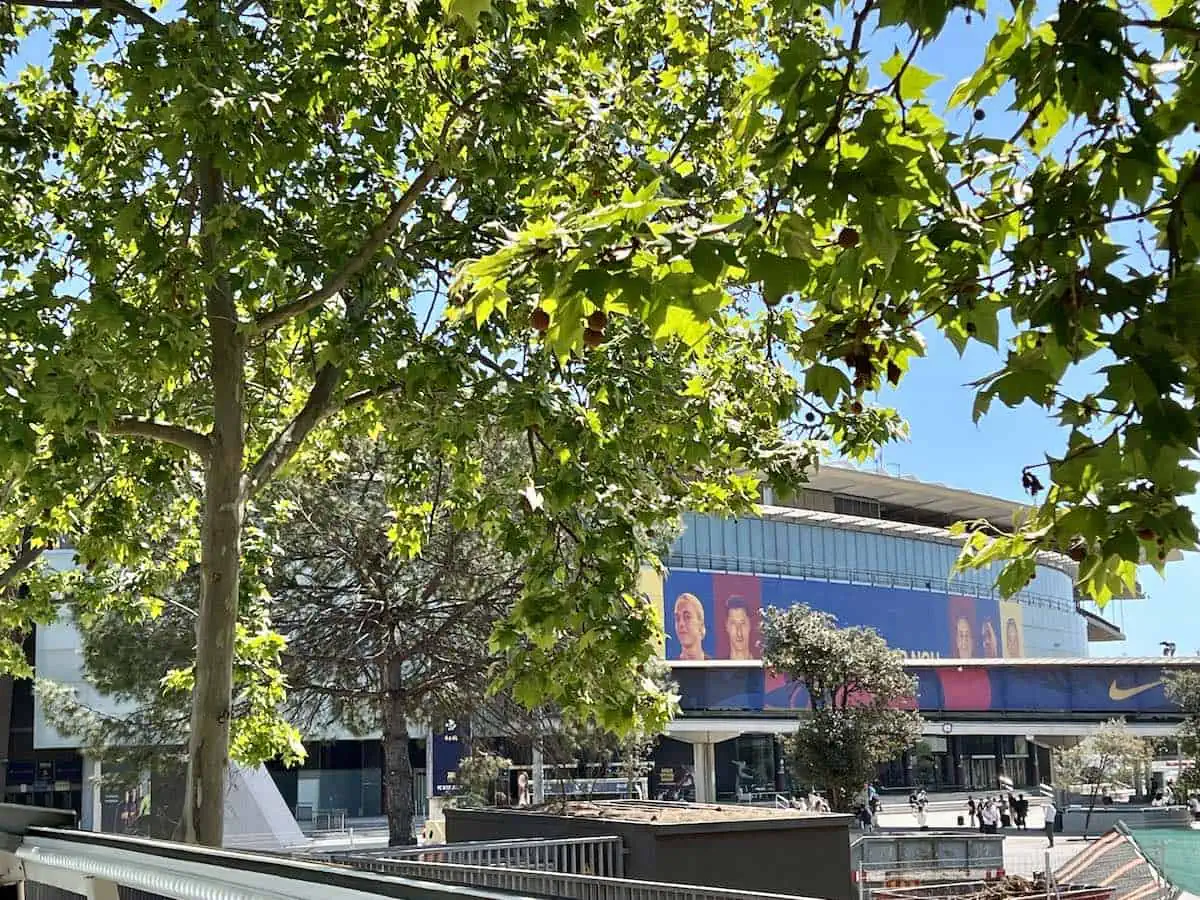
(196, 873)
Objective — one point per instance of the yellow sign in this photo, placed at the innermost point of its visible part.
(1118, 694)
(1012, 630)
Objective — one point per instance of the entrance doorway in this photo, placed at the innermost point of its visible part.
(981, 773)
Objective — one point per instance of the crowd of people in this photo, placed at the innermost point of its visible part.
(1004, 811)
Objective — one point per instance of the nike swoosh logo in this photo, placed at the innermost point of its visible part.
(1119, 694)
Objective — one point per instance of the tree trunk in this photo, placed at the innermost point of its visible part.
(397, 767)
(220, 558)
(1087, 820)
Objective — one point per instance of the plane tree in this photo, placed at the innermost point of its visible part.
(655, 241)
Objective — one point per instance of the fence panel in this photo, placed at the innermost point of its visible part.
(568, 886)
(603, 856)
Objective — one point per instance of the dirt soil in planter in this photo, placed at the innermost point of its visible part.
(1011, 886)
(667, 813)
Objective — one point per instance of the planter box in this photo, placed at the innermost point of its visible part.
(744, 848)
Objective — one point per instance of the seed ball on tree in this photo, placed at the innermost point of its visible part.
(597, 320)
(979, 115)
(848, 238)
(856, 407)
(592, 337)
(540, 319)
(1147, 534)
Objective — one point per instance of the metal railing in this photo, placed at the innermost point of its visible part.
(58, 864)
(603, 856)
(567, 886)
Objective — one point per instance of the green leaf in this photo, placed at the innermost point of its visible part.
(826, 382)
(914, 82)
(466, 11)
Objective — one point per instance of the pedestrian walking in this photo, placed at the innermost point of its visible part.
(972, 810)
(1022, 812)
(864, 819)
(1005, 816)
(922, 823)
(990, 816)
(1051, 814)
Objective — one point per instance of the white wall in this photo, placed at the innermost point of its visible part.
(58, 657)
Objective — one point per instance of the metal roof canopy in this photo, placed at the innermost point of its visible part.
(1100, 629)
(908, 492)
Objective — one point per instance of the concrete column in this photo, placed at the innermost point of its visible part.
(91, 801)
(429, 779)
(705, 771)
(1037, 764)
(960, 764)
(539, 783)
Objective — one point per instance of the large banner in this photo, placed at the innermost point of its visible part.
(717, 616)
(1049, 688)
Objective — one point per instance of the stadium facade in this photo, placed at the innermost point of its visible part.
(1001, 680)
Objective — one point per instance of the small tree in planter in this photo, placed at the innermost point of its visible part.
(856, 686)
(1108, 754)
(477, 776)
(1183, 687)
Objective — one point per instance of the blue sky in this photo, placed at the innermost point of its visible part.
(934, 397)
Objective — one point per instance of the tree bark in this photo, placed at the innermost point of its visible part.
(220, 559)
(397, 767)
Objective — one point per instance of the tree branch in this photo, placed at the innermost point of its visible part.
(835, 120)
(127, 426)
(21, 563)
(121, 7)
(1164, 25)
(376, 239)
(285, 444)
(358, 398)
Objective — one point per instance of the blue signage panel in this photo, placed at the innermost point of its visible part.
(720, 689)
(1050, 688)
(20, 772)
(448, 749)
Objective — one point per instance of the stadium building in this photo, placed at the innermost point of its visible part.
(1001, 681)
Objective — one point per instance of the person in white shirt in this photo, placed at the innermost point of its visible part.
(1051, 812)
(989, 816)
